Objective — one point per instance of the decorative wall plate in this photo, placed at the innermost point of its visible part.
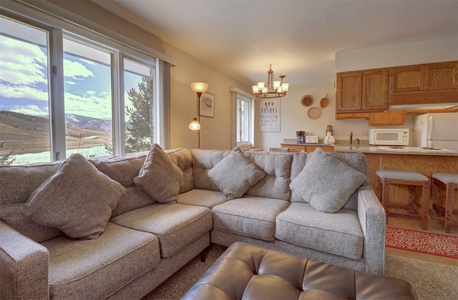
(314, 113)
(307, 100)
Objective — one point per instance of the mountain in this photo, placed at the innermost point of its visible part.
(33, 123)
(88, 122)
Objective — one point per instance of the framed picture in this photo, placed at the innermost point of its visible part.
(207, 105)
(269, 115)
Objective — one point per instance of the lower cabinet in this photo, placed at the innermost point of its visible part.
(306, 147)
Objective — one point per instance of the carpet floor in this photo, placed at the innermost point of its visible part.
(431, 281)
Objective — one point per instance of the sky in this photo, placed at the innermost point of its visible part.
(24, 76)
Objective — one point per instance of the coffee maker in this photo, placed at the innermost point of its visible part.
(300, 137)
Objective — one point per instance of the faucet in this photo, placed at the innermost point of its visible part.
(351, 138)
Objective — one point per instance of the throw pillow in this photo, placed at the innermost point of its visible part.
(159, 177)
(326, 183)
(235, 174)
(77, 199)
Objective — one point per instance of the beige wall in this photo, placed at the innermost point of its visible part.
(215, 132)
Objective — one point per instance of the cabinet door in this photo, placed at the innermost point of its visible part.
(375, 90)
(407, 79)
(441, 76)
(393, 117)
(349, 91)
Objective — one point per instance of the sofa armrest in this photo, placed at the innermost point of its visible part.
(372, 218)
(23, 266)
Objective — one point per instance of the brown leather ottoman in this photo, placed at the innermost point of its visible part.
(252, 272)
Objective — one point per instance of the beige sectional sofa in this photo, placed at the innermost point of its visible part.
(217, 196)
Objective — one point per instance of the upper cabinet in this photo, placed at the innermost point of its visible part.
(424, 84)
(362, 91)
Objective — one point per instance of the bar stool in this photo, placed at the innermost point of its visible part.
(387, 178)
(448, 182)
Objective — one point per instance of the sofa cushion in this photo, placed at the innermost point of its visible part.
(339, 233)
(12, 215)
(95, 269)
(326, 183)
(176, 225)
(202, 198)
(122, 169)
(235, 174)
(183, 159)
(77, 199)
(203, 161)
(17, 183)
(134, 198)
(253, 217)
(159, 177)
(277, 167)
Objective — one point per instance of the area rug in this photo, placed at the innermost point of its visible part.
(422, 242)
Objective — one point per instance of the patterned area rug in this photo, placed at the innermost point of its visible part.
(423, 242)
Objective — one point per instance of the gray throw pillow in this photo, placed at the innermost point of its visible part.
(159, 177)
(235, 174)
(77, 199)
(326, 183)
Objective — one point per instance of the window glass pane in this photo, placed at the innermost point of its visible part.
(138, 102)
(24, 93)
(88, 101)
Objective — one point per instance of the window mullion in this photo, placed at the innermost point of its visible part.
(118, 106)
(57, 107)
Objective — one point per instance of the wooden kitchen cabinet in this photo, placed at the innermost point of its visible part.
(441, 76)
(306, 147)
(433, 83)
(393, 117)
(349, 87)
(362, 91)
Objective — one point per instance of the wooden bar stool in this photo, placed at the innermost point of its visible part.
(448, 182)
(387, 178)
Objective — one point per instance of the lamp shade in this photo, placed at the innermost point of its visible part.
(194, 125)
(199, 87)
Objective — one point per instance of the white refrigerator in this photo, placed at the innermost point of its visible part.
(437, 130)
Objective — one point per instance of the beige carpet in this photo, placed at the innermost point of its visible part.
(431, 281)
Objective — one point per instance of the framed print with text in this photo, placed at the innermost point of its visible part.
(270, 115)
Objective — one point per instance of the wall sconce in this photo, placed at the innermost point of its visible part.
(199, 88)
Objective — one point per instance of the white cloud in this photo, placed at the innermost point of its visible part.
(76, 70)
(22, 92)
(22, 63)
(90, 104)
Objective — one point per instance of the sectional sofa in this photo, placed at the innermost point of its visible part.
(118, 227)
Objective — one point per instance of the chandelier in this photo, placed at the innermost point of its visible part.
(273, 88)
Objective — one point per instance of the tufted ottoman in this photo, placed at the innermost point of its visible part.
(252, 272)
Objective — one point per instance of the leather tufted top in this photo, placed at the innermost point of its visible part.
(252, 272)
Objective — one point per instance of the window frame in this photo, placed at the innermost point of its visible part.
(59, 30)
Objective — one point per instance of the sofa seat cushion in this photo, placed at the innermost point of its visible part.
(339, 233)
(176, 225)
(94, 269)
(252, 217)
(200, 197)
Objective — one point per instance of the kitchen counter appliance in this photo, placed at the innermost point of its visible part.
(389, 137)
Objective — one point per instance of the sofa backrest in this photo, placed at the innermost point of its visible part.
(17, 183)
(355, 160)
(276, 166)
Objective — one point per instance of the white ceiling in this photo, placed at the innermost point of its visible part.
(299, 38)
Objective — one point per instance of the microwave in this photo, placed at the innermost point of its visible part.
(389, 137)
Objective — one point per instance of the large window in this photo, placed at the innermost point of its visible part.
(63, 93)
